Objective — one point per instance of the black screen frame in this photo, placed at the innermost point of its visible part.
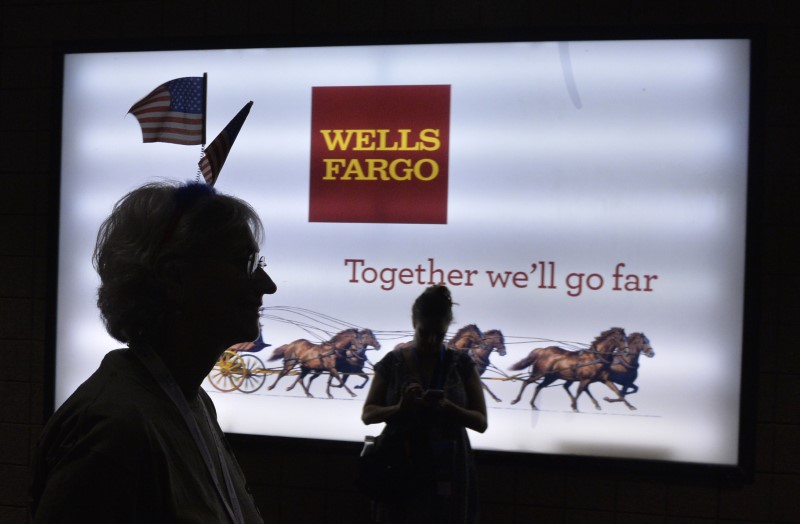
(743, 471)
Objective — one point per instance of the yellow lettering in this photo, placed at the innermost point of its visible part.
(380, 140)
(434, 169)
(406, 172)
(431, 137)
(365, 140)
(332, 166)
(353, 168)
(383, 144)
(338, 140)
(404, 141)
(377, 166)
(400, 169)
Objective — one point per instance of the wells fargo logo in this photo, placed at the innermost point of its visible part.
(380, 154)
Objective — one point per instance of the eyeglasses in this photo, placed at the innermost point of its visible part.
(254, 263)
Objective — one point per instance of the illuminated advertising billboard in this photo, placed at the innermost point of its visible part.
(560, 189)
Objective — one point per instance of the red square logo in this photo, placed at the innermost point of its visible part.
(379, 154)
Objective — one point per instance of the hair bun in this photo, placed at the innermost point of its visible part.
(435, 304)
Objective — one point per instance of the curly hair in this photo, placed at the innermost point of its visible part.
(433, 310)
(148, 228)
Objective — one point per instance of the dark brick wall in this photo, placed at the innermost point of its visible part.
(314, 485)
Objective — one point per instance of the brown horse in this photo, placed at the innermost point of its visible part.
(479, 345)
(625, 367)
(351, 354)
(315, 358)
(585, 366)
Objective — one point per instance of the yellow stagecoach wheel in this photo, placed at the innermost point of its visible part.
(228, 372)
(254, 374)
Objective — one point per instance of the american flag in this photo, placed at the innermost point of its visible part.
(217, 151)
(173, 112)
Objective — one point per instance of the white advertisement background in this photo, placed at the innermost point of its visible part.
(586, 154)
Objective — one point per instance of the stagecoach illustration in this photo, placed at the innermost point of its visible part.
(339, 355)
(341, 351)
(238, 369)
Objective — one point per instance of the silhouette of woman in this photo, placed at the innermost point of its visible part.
(180, 281)
(428, 395)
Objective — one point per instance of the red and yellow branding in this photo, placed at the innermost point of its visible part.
(380, 154)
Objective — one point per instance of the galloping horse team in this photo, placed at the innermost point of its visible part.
(612, 359)
(341, 356)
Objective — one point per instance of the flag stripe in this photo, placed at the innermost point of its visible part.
(177, 128)
(153, 107)
(167, 136)
(162, 98)
(157, 96)
(181, 140)
(175, 119)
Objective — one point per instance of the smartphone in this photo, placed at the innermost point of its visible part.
(434, 394)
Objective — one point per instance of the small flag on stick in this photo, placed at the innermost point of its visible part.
(217, 151)
(174, 112)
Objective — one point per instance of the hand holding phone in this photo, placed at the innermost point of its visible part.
(432, 395)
